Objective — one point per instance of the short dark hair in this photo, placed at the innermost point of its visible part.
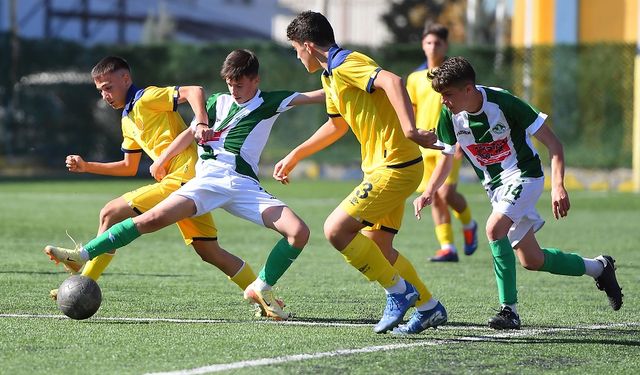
(312, 27)
(240, 63)
(454, 72)
(436, 29)
(109, 64)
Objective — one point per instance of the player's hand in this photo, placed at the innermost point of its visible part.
(75, 163)
(560, 202)
(158, 171)
(283, 168)
(421, 202)
(204, 134)
(428, 139)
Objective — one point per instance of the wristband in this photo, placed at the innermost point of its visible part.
(202, 123)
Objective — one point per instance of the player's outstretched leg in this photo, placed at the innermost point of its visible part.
(505, 319)
(608, 282)
(421, 320)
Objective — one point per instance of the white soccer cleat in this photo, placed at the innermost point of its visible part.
(270, 306)
(70, 258)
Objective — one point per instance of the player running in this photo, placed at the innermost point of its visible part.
(427, 105)
(374, 103)
(232, 131)
(494, 129)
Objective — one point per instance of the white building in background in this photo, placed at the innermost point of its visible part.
(122, 21)
(354, 21)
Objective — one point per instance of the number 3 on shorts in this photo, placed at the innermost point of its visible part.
(364, 190)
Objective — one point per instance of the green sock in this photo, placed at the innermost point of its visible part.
(559, 263)
(117, 236)
(504, 266)
(278, 262)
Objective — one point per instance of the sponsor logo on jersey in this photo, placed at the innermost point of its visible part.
(463, 131)
(490, 153)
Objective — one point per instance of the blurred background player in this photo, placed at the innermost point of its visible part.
(427, 105)
(149, 124)
(232, 129)
(374, 103)
(494, 129)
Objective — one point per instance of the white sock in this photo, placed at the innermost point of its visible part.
(430, 304)
(261, 285)
(451, 247)
(470, 225)
(84, 254)
(399, 287)
(593, 267)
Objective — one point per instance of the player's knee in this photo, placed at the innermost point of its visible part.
(111, 214)
(150, 221)
(299, 235)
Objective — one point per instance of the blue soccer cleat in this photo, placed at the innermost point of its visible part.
(421, 320)
(397, 306)
(471, 239)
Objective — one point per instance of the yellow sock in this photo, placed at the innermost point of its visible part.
(464, 216)
(364, 255)
(444, 234)
(408, 272)
(244, 276)
(96, 266)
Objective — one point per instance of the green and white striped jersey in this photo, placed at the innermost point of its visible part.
(242, 130)
(497, 138)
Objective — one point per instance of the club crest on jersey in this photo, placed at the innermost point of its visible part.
(499, 129)
(490, 153)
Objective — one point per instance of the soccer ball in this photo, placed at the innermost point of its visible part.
(79, 297)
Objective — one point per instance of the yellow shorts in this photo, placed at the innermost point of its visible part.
(379, 200)
(430, 161)
(193, 228)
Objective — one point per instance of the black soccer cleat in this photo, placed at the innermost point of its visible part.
(505, 319)
(607, 281)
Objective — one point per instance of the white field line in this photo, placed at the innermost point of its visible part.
(372, 349)
(334, 353)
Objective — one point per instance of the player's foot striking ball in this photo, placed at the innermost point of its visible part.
(79, 297)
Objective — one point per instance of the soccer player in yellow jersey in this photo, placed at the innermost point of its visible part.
(427, 104)
(374, 103)
(149, 124)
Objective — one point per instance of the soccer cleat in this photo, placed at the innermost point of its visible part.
(470, 239)
(53, 293)
(397, 306)
(268, 303)
(261, 312)
(421, 320)
(445, 255)
(505, 319)
(607, 281)
(70, 258)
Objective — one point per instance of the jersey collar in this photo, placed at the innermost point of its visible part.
(133, 94)
(335, 57)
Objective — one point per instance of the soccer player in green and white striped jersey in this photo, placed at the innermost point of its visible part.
(494, 129)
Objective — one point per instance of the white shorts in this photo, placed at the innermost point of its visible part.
(218, 186)
(517, 200)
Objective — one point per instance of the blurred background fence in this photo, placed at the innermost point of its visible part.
(53, 109)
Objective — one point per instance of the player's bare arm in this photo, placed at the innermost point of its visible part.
(327, 134)
(439, 176)
(559, 197)
(309, 97)
(159, 167)
(194, 95)
(128, 166)
(395, 89)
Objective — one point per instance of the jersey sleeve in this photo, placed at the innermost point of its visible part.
(525, 116)
(411, 89)
(160, 99)
(332, 108)
(129, 144)
(358, 71)
(445, 132)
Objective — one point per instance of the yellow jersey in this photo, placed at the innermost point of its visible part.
(150, 123)
(426, 102)
(348, 85)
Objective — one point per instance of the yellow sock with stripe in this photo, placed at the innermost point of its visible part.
(96, 266)
(363, 254)
(444, 235)
(244, 276)
(408, 272)
(464, 216)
